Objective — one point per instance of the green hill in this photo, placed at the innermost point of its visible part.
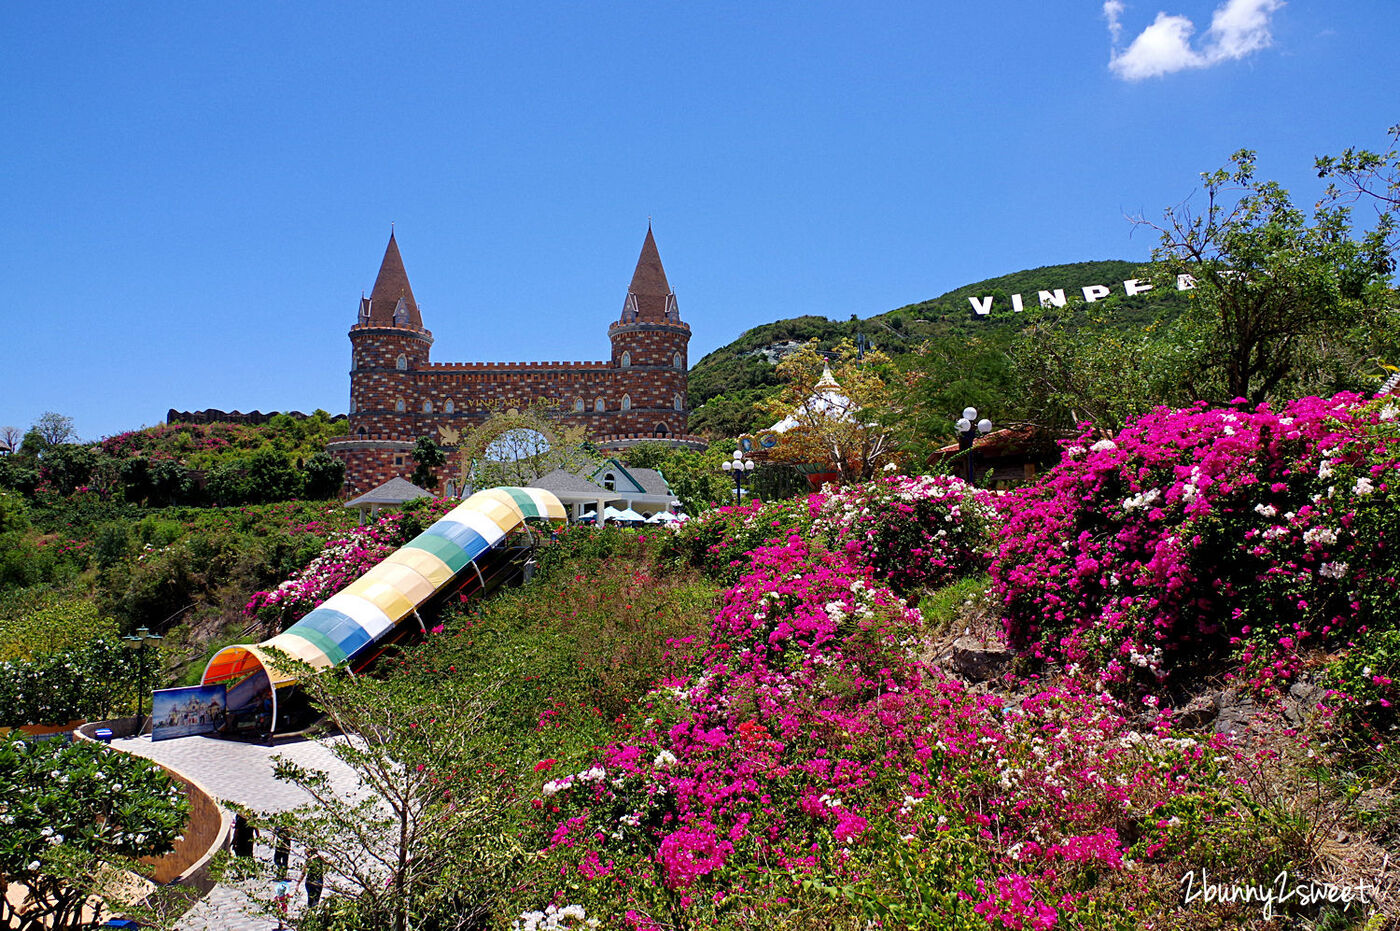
(726, 383)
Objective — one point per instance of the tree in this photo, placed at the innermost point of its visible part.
(422, 842)
(76, 815)
(427, 456)
(55, 428)
(842, 426)
(1273, 286)
(1368, 175)
(1076, 365)
(325, 476)
(10, 438)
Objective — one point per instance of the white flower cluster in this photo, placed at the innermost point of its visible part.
(1266, 510)
(554, 918)
(1363, 486)
(1334, 570)
(1142, 500)
(1319, 535)
(1103, 445)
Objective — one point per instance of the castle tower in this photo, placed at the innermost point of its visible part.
(388, 348)
(649, 343)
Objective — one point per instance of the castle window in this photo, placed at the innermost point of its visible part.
(599, 405)
(362, 431)
(627, 402)
(449, 408)
(662, 430)
(676, 360)
(678, 403)
(427, 407)
(398, 460)
(610, 482)
(398, 405)
(626, 359)
(578, 405)
(352, 405)
(401, 362)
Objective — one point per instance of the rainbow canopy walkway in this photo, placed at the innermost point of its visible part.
(351, 627)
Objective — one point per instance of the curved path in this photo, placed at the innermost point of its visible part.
(242, 773)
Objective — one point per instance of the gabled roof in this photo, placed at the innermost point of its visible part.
(390, 287)
(564, 483)
(394, 491)
(634, 481)
(649, 293)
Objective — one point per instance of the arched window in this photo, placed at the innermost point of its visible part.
(662, 430)
(627, 402)
(448, 408)
(362, 431)
(398, 405)
(626, 359)
(427, 407)
(599, 405)
(676, 360)
(610, 482)
(352, 405)
(401, 362)
(678, 403)
(578, 405)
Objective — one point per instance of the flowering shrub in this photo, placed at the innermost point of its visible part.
(345, 558)
(1201, 533)
(916, 532)
(91, 681)
(809, 739)
(920, 531)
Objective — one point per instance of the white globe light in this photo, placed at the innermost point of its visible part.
(748, 465)
(964, 425)
(969, 414)
(984, 425)
(726, 465)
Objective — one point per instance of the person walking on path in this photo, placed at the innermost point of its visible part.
(314, 877)
(281, 850)
(280, 899)
(243, 834)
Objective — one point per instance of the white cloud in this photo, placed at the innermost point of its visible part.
(1113, 12)
(1238, 28)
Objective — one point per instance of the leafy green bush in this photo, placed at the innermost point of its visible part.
(52, 624)
(68, 810)
(91, 681)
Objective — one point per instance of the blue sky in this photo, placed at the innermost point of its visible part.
(195, 195)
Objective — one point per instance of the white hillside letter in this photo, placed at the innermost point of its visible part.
(1185, 282)
(983, 307)
(1136, 286)
(1094, 292)
(1056, 297)
(1016, 303)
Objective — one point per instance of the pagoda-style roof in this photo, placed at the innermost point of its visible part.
(395, 491)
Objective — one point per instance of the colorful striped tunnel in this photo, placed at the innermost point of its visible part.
(347, 625)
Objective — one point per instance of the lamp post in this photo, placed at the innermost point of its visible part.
(738, 465)
(967, 432)
(141, 641)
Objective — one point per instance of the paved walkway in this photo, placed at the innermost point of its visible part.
(234, 771)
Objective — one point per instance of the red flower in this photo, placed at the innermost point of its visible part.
(543, 765)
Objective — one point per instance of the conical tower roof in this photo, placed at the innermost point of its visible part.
(649, 289)
(389, 287)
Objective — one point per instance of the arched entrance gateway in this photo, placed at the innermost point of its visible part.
(476, 547)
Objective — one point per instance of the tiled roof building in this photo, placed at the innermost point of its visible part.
(397, 394)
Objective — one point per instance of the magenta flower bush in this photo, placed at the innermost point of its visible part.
(810, 740)
(1198, 535)
(916, 532)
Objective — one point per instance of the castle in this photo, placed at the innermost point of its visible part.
(397, 394)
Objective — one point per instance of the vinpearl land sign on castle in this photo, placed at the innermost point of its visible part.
(981, 307)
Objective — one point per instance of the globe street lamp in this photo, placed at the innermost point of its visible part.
(738, 465)
(141, 641)
(967, 433)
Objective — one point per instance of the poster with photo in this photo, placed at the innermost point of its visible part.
(184, 712)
